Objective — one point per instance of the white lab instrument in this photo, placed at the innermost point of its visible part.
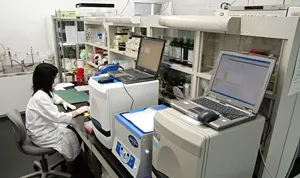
(133, 140)
(182, 149)
(94, 9)
(108, 99)
(258, 11)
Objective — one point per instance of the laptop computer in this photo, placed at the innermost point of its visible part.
(236, 89)
(147, 65)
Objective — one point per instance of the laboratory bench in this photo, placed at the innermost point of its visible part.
(110, 163)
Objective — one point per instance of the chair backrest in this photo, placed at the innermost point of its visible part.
(18, 125)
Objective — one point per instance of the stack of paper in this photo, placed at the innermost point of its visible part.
(82, 88)
(144, 120)
(62, 86)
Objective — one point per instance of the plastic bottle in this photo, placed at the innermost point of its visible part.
(100, 39)
(181, 83)
(1, 67)
(191, 54)
(179, 51)
(185, 52)
(173, 45)
(167, 48)
(104, 37)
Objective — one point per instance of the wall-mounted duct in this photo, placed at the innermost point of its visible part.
(124, 20)
(202, 23)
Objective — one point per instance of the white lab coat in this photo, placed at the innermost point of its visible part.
(46, 126)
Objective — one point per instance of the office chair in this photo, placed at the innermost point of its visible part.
(26, 146)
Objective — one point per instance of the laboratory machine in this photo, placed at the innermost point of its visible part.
(184, 147)
(133, 140)
(107, 99)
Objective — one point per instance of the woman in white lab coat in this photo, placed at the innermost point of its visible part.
(46, 126)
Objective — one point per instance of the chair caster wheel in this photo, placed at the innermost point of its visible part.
(64, 167)
(35, 168)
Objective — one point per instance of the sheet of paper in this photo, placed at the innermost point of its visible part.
(59, 89)
(82, 88)
(59, 86)
(295, 84)
(143, 120)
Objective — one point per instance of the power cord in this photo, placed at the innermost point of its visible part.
(264, 162)
(124, 8)
(129, 96)
(225, 5)
(164, 9)
(267, 129)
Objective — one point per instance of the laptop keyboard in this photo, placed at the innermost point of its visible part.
(137, 74)
(228, 112)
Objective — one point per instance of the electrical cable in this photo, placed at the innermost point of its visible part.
(129, 96)
(121, 67)
(268, 127)
(233, 2)
(124, 8)
(264, 162)
(226, 4)
(164, 9)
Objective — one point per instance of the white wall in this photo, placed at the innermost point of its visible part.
(23, 23)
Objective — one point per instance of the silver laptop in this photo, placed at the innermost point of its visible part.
(236, 89)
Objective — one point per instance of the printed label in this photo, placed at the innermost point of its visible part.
(166, 51)
(178, 53)
(133, 141)
(125, 155)
(191, 56)
(172, 51)
(156, 135)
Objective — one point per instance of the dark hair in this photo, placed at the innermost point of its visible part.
(43, 78)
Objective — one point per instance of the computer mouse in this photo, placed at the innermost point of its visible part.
(105, 80)
(207, 116)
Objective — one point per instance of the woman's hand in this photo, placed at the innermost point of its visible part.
(68, 105)
(81, 110)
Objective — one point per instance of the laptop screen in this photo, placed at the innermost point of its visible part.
(150, 55)
(241, 77)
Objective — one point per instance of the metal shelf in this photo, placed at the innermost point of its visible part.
(92, 64)
(124, 53)
(67, 44)
(96, 45)
(178, 67)
(204, 75)
(166, 99)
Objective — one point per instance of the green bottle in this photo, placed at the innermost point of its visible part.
(191, 54)
(178, 51)
(185, 52)
(173, 45)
